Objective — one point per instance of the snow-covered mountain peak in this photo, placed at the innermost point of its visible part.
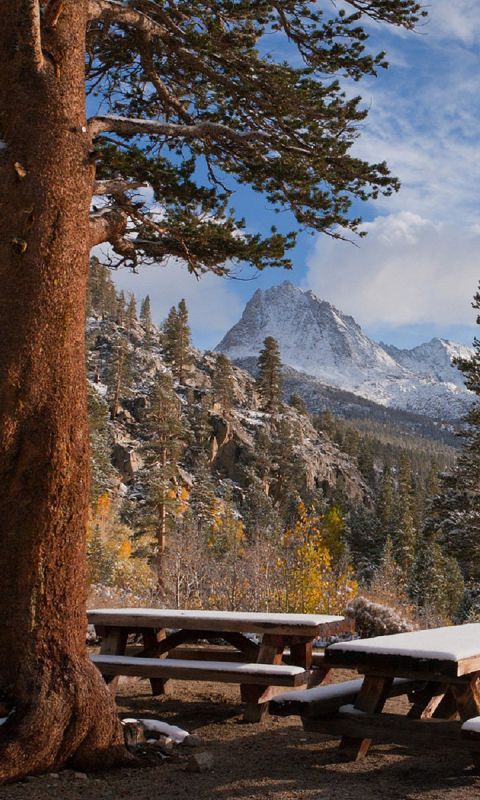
(316, 338)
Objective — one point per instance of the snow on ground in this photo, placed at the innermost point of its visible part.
(171, 732)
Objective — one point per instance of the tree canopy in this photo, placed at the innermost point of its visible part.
(199, 100)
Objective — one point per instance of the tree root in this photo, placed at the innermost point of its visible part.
(69, 719)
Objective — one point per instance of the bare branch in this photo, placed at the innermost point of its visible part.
(115, 187)
(107, 225)
(128, 126)
(122, 12)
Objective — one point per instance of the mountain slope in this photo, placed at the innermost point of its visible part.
(320, 341)
(432, 359)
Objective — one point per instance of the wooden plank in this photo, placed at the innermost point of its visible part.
(301, 654)
(270, 652)
(309, 625)
(392, 728)
(371, 699)
(256, 699)
(407, 666)
(326, 700)
(248, 648)
(114, 643)
(428, 700)
(151, 639)
(201, 671)
(218, 653)
(467, 698)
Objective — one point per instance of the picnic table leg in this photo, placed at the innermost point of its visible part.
(152, 637)
(114, 643)
(428, 701)
(256, 697)
(467, 696)
(371, 699)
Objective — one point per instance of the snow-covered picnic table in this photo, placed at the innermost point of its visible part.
(444, 663)
(282, 656)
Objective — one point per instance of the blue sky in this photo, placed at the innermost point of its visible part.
(413, 277)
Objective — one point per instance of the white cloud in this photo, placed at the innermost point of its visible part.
(409, 270)
(455, 20)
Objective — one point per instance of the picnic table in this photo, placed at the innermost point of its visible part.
(281, 658)
(444, 665)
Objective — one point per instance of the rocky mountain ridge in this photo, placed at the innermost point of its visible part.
(319, 341)
(232, 438)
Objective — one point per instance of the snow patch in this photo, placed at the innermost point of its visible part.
(171, 732)
(318, 340)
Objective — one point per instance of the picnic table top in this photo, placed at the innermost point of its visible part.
(310, 625)
(453, 651)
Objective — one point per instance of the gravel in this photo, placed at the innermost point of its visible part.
(252, 762)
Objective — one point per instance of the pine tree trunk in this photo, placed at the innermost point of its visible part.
(62, 709)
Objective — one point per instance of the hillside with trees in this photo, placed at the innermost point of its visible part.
(224, 492)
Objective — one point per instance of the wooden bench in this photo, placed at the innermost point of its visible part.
(216, 653)
(324, 700)
(250, 676)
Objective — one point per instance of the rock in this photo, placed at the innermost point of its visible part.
(193, 740)
(166, 746)
(133, 734)
(200, 762)
(80, 776)
(127, 461)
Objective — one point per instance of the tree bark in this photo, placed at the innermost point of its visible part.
(62, 710)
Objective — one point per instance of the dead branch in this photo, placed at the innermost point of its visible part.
(115, 187)
(107, 225)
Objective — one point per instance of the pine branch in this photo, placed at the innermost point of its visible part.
(123, 13)
(128, 126)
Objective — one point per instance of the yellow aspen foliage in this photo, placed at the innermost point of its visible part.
(125, 550)
(310, 581)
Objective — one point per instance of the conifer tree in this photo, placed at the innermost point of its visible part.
(165, 434)
(455, 511)
(131, 313)
(121, 308)
(119, 373)
(101, 294)
(176, 345)
(269, 383)
(296, 401)
(146, 319)
(202, 499)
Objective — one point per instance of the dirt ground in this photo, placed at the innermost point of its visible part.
(275, 758)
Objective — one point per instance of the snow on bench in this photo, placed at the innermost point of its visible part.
(223, 672)
(330, 698)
